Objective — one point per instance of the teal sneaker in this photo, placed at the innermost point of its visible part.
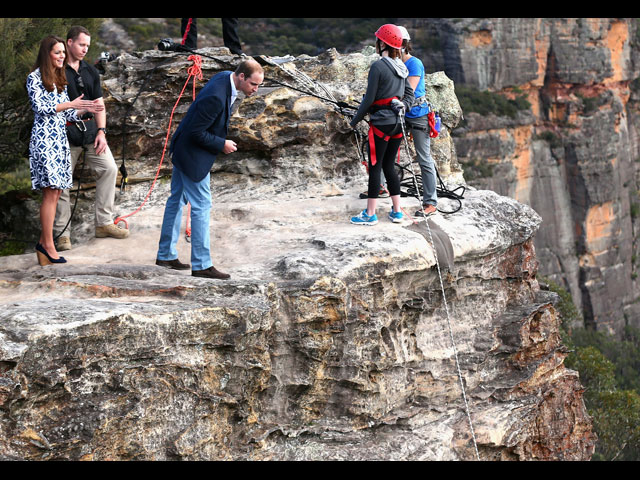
(363, 219)
(395, 217)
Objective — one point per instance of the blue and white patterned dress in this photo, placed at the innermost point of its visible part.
(49, 154)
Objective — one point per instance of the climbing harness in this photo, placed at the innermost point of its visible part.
(444, 297)
(195, 72)
(373, 130)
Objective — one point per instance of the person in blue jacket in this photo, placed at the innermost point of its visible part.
(199, 138)
(418, 125)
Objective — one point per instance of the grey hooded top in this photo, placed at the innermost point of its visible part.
(387, 78)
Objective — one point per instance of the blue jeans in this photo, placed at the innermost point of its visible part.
(198, 194)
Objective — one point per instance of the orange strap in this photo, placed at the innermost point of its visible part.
(186, 31)
(431, 118)
(380, 134)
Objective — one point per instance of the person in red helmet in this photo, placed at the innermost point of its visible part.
(388, 92)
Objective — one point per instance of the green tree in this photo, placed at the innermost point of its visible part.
(19, 42)
(608, 368)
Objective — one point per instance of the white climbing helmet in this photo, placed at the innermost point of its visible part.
(405, 33)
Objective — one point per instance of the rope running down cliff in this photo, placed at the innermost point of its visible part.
(444, 297)
(416, 191)
(195, 71)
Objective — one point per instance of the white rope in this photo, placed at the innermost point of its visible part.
(444, 297)
(303, 79)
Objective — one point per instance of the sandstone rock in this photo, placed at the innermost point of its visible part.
(571, 156)
(330, 341)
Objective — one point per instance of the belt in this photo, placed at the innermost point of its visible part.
(80, 124)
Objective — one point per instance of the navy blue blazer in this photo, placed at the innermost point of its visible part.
(202, 132)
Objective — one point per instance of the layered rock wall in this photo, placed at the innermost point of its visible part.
(571, 155)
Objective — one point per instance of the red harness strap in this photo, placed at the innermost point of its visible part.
(379, 133)
(186, 31)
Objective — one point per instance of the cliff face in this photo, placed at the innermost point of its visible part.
(329, 342)
(571, 156)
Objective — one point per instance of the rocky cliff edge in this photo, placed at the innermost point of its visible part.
(330, 341)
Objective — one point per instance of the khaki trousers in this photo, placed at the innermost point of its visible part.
(105, 171)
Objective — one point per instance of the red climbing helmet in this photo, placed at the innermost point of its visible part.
(390, 34)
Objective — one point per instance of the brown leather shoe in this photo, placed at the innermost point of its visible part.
(426, 211)
(174, 264)
(210, 272)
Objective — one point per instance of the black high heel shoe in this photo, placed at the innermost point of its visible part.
(44, 258)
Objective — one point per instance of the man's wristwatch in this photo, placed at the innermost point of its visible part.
(103, 129)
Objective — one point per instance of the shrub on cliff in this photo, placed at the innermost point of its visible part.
(609, 370)
(485, 103)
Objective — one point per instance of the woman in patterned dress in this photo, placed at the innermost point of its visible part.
(49, 155)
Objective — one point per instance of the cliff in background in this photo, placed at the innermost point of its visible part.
(572, 156)
(329, 342)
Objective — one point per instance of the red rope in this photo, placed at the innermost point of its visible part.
(186, 31)
(194, 71)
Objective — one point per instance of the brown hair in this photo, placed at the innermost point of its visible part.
(393, 52)
(51, 75)
(76, 30)
(406, 44)
(248, 67)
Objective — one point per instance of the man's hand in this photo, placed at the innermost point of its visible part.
(229, 146)
(100, 144)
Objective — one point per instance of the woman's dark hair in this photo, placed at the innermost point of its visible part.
(52, 76)
(382, 46)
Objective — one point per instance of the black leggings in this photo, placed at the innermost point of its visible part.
(386, 156)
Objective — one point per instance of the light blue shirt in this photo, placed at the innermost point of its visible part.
(416, 69)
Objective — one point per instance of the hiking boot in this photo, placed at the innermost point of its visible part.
(363, 219)
(426, 211)
(173, 264)
(64, 243)
(111, 230)
(210, 272)
(395, 217)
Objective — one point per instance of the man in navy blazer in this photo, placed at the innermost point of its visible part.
(199, 138)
